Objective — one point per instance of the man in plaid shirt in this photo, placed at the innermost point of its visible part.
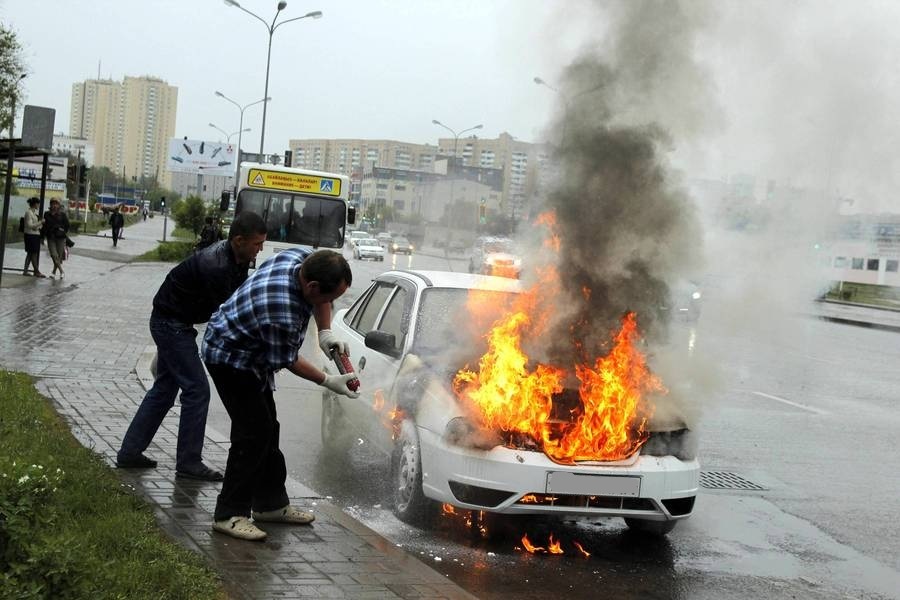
(258, 331)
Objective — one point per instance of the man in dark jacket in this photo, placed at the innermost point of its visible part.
(117, 222)
(190, 294)
(56, 230)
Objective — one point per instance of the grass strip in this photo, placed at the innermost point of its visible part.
(69, 527)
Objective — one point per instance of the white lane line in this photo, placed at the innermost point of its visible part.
(795, 404)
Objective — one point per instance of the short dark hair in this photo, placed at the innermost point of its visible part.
(54, 200)
(34, 200)
(245, 224)
(327, 267)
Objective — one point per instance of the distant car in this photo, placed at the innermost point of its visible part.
(495, 256)
(355, 236)
(400, 332)
(385, 239)
(368, 248)
(401, 244)
(685, 301)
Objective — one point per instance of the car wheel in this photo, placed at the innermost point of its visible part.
(650, 527)
(336, 435)
(410, 503)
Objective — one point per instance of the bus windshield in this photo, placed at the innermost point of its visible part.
(297, 218)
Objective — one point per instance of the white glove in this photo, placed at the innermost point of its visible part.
(338, 384)
(327, 341)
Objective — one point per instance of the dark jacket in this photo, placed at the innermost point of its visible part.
(195, 288)
(117, 221)
(55, 226)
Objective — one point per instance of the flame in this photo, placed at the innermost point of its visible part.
(584, 552)
(528, 499)
(378, 401)
(548, 219)
(554, 547)
(513, 397)
(526, 543)
(448, 509)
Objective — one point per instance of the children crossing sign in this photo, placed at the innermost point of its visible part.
(293, 182)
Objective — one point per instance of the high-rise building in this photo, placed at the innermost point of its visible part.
(128, 122)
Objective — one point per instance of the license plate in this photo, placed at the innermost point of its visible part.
(564, 482)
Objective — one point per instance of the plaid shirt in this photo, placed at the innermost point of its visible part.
(261, 327)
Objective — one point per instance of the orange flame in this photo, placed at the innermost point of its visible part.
(549, 220)
(584, 552)
(512, 397)
(526, 543)
(448, 509)
(528, 499)
(554, 547)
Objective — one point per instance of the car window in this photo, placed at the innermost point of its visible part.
(445, 318)
(368, 315)
(396, 316)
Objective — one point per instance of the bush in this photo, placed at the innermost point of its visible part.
(168, 252)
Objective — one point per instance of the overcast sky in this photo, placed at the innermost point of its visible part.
(806, 92)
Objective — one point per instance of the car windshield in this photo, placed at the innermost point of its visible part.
(401, 241)
(457, 317)
(368, 243)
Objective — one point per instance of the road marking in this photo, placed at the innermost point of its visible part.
(790, 403)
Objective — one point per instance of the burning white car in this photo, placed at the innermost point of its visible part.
(491, 440)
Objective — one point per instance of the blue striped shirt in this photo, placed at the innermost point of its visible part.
(261, 327)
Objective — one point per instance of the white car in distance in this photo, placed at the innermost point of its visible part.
(368, 248)
(400, 332)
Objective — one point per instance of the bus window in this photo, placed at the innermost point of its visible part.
(317, 222)
(278, 218)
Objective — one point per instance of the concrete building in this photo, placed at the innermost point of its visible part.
(865, 249)
(63, 144)
(210, 186)
(128, 122)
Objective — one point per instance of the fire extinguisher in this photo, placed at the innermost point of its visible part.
(344, 366)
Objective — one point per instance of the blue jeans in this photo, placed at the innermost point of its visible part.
(178, 366)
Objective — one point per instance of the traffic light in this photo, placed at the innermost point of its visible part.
(82, 182)
(288, 158)
(225, 200)
(162, 204)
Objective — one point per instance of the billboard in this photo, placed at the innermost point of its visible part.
(200, 157)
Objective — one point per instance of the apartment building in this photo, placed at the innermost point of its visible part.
(128, 122)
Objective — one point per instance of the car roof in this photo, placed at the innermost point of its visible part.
(449, 279)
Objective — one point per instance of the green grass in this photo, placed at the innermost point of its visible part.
(183, 234)
(167, 252)
(69, 528)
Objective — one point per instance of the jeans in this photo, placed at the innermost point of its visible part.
(178, 366)
(255, 473)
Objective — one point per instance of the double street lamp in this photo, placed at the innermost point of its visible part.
(226, 134)
(240, 132)
(453, 177)
(271, 27)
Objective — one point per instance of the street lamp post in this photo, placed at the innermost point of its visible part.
(567, 103)
(226, 134)
(265, 101)
(453, 179)
(10, 161)
(271, 27)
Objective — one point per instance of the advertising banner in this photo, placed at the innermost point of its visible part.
(205, 158)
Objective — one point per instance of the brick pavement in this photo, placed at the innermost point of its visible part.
(83, 337)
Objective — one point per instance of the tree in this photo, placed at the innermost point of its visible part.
(12, 67)
(191, 214)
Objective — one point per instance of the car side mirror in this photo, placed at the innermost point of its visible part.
(382, 342)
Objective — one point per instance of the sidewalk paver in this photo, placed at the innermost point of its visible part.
(83, 337)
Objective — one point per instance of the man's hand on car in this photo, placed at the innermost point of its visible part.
(338, 384)
(327, 341)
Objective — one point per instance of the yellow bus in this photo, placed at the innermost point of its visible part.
(300, 207)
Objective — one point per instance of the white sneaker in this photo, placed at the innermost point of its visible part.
(241, 528)
(286, 514)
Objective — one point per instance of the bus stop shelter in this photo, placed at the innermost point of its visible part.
(10, 149)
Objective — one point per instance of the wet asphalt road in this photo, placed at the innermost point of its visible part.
(802, 407)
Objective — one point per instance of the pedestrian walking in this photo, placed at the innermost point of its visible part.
(209, 235)
(191, 292)
(32, 230)
(258, 331)
(117, 222)
(144, 212)
(56, 231)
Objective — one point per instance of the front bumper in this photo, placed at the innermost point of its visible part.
(374, 255)
(510, 481)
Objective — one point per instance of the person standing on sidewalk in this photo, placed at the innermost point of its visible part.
(32, 231)
(258, 331)
(191, 292)
(117, 222)
(56, 229)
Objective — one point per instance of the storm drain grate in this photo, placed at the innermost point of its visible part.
(726, 480)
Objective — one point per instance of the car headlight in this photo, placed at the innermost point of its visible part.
(681, 443)
(411, 247)
(695, 295)
(461, 432)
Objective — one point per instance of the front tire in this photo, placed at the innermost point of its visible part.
(410, 503)
(653, 528)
